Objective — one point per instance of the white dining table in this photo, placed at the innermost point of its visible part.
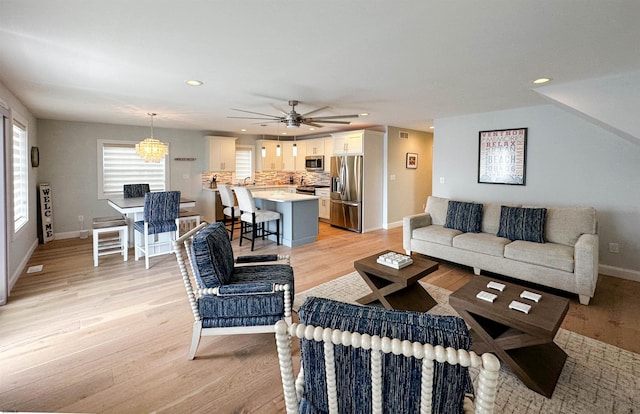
(133, 210)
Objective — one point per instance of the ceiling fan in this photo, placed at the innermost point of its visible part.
(292, 119)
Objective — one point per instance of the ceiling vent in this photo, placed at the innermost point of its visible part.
(403, 135)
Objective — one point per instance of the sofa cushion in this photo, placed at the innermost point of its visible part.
(436, 234)
(565, 225)
(518, 223)
(552, 255)
(437, 209)
(401, 389)
(464, 216)
(481, 243)
(213, 256)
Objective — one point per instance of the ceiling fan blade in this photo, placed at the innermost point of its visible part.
(277, 108)
(316, 110)
(250, 117)
(327, 122)
(312, 124)
(256, 113)
(336, 117)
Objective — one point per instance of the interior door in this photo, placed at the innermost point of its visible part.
(4, 244)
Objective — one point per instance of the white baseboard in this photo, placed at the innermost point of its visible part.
(620, 272)
(68, 235)
(14, 277)
(393, 225)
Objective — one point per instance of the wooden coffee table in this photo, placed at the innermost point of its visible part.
(396, 288)
(523, 341)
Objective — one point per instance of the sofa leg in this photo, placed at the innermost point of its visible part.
(476, 271)
(584, 299)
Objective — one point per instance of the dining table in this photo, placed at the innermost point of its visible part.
(133, 210)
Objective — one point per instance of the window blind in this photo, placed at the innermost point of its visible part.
(20, 177)
(244, 163)
(121, 165)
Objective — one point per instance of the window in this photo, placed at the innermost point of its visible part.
(118, 164)
(20, 177)
(244, 162)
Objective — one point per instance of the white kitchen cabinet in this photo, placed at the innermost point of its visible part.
(222, 153)
(288, 160)
(323, 203)
(348, 143)
(270, 161)
(315, 146)
(328, 152)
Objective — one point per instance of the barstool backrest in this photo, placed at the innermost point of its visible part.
(246, 203)
(226, 196)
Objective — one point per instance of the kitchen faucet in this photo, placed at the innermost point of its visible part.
(244, 182)
(302, 180)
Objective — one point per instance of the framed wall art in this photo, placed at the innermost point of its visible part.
(412, 160)
(502, 156)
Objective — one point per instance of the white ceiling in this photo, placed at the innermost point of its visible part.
(405, 62)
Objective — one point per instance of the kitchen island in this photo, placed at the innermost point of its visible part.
(299, 222)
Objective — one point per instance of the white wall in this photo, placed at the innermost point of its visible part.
(569, 162)
(68, 161)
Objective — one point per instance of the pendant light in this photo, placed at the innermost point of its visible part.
(295, 147)
(264, 150)
(151, 149)
(278, 147)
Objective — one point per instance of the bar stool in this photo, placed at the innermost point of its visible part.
(110, 243)
(186, 221)
(230, 209)
(257, 219)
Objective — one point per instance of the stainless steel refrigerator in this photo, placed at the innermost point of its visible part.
(346, 192)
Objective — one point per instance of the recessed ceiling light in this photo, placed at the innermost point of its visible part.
(193, 82)
(364, 114)
(312, 129)
(541, 80)
(431, 127)
(244, 130)
(284, 133)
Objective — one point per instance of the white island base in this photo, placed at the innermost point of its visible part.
(299, 221)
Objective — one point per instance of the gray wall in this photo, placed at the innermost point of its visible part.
(68, 161)
(408, 192)
(22, 244)
(570, 161)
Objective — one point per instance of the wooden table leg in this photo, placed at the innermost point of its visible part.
(396, 296)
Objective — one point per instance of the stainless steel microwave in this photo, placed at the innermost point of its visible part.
(314, 162)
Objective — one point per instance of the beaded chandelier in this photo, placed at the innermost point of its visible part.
(151, 149)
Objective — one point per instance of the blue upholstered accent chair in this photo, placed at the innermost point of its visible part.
(161, 211)
(363, 359)
(135, 190)
(226, 298)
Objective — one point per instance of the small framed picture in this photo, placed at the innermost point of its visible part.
(412, 160)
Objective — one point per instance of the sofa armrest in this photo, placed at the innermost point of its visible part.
(586, 256)
(410, 223)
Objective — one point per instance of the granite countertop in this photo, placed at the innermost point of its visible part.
(256, 187)
(280, 196)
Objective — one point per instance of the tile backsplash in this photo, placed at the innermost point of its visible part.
(269, 178)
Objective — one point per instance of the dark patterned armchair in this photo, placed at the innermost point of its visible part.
(226, 298)
(363, 359)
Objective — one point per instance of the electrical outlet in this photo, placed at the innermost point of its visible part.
(441, 180)
(614, 248)
(81, 218)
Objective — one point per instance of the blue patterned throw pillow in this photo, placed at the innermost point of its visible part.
(466, 217)
(518, 223)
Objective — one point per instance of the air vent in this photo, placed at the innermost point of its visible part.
(403, 135)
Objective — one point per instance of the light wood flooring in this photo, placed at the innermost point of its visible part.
(115, 338)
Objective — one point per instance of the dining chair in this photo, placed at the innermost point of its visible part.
(160, 216)
(135, 190)
(230, 208)
(365, 359)
(254, 221)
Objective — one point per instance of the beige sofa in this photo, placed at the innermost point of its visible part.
(568, 260)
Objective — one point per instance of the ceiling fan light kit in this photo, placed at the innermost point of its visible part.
(293, 119)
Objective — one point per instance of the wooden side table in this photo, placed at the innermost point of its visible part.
(523, 341)
(396, 288)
